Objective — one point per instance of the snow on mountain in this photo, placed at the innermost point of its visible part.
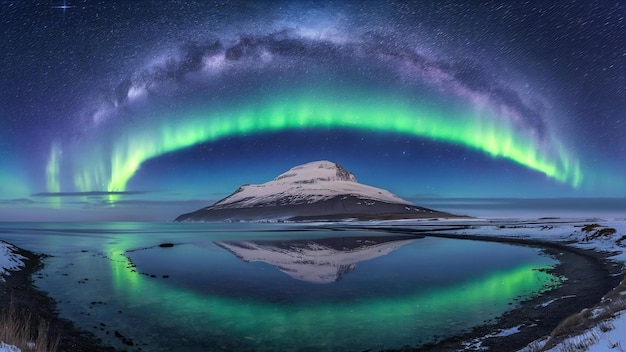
(307, 183)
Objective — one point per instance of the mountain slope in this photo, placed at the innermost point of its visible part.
(320, 190)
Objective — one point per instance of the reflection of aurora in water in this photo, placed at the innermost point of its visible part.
(358, 323)
(382, 322)
(170, 315)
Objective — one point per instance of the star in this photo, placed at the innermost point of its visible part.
(63, 7)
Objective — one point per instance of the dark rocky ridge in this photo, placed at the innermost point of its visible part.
(336, 208)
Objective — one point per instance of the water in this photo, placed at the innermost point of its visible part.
(272, 287)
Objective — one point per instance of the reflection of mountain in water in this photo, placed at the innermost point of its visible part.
(318, 261)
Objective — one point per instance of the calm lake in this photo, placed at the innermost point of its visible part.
(274, 287)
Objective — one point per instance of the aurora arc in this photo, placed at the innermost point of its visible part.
(497, 138)
(52, 169)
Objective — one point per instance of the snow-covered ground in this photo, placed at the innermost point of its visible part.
(8, 348)
(607, 331)
(9, 260)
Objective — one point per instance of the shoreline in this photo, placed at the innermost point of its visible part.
(512, 328)
(19, 292)
(536, 318)
(532, 320)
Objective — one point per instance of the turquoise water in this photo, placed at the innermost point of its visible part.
(272, 287)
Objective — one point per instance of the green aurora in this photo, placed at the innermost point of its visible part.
(112, 171)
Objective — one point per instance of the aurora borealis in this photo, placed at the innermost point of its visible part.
(123, 111)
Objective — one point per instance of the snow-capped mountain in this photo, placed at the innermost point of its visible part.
(319, 190)
(318, 261)
(308, 183)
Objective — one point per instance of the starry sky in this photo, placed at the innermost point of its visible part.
(142, 110)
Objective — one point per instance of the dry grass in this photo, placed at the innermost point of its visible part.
(598, 316)
(606, 232)
(581, 343)
(616, 346)
(535, 346)
(590, 227)
(15, 329)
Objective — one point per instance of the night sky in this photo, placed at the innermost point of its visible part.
(142, 110)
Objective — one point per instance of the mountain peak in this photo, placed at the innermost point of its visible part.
(305, 184)
(316, 171)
